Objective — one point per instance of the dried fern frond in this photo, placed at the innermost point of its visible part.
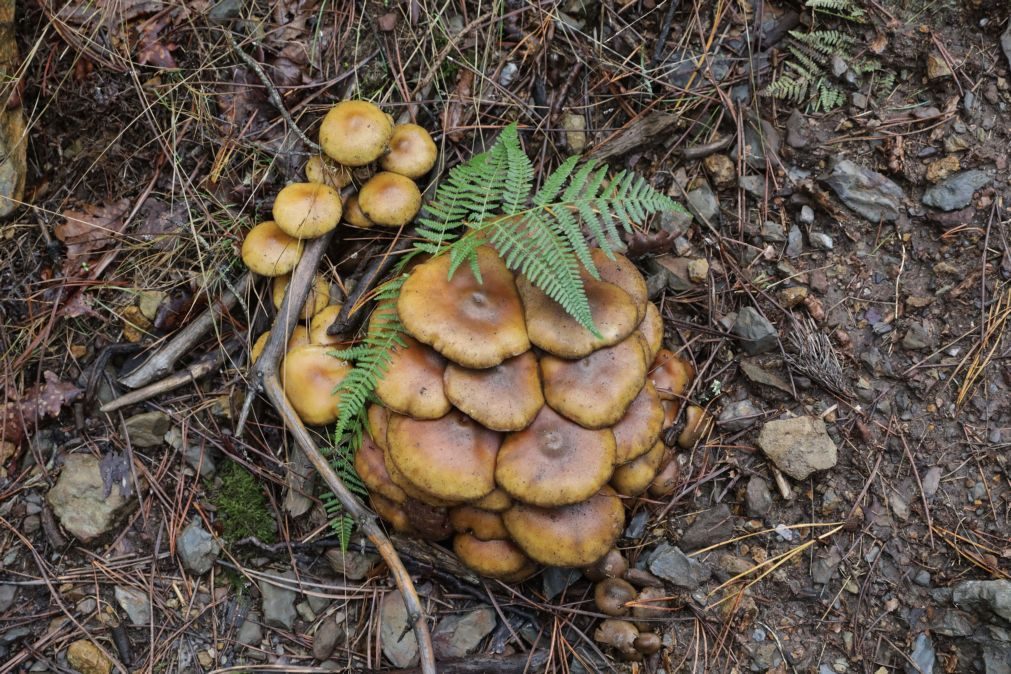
(811, 354)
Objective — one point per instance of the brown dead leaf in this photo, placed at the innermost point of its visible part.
(878, 43)
(19, 417)
(86, 230)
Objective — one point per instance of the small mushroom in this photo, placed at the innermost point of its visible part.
(377, 418)
(370, 465)
(315, 302)
(634, 477)
(482, 524)
(353, 214)
(621, 271)
(319, 169)
(413, 382)
(495, 558)
(667, 479)
(412, 151)
(651, 329)
(355, 133)
(269, 251)
(698, 423)
(392, 513)
(611, 565)
(651, 606)
(307, 210)
(321, 322)
(497, 501)
(671, 375)
(389, 199)
(310, 375)
(647, 643)
(637, 431)
(619, 635)
(612, 595)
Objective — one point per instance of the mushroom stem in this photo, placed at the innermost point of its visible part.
(264, 378)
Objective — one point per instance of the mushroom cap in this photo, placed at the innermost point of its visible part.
(652, 604)
(299, 337)
(355, 133)
(494, 559)
(637, 431)
(471, 323)
(647, 643)
(389, 199)
(622, 272)
(596, 390)
(635, 477)
(620, 635)
(413, 384)
(321, 322)
(552, 329)
(307, 210)
(671, 375)
(652, 330)
(310, 375)
(698, 423)
(268, 251)
(555, 462)
(572, 535)
(353, 213)
(412, 151)
(257, 348)
(317, 299)
(370, 464)
(412, 490)
(482, 524)
(611, 565)
(497, 501)
(377, 419)
(392, 513)
(452, 458)
(667, 479)
(319, 169)
(612, 594)
(505, 397)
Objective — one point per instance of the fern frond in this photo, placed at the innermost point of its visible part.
(789, 89)
(826, 42)
(844, 9)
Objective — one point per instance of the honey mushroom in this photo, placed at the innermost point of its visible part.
(355, 133)
(412, 151)
(389, 199)
(307, 210)
(268, 251)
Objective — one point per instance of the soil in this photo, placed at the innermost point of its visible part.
(146, 125)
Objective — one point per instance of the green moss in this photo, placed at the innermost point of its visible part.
(242, 506)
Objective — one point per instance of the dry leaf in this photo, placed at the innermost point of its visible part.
(878, 43)
(87, 230)
(18, 418)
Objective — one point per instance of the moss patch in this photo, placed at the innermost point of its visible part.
(242, 506)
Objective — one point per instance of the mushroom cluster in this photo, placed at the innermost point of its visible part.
(632, 612)
(360, 143)
(506, 424)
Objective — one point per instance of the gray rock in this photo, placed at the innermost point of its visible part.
(1005, 44)
(305, 612)
(675, 221)
(952, 624)
(996, 657)
(674, 566)
(7, 594)
(251, 632)
(922, 578)
(710, 526)
(196, 548)
(135, 603)
(758, 497)
(985, 597)
(317, 603)
(918, 337)
(820, 240)
(806, 215)
(459, 635)
(798, 446)
(797, 134)
(636, 528)
(352, 565)
(755, 332)
(867, 192)
(324, 641)
(197, 458)
(148, 429)
(772, 232)
(80, 501)
(761, 143)
(753, 185)
(402, 652)
(703, 204)
(932, 480)
(278, 603)
(739, 415)
(794, 242)
(923, 656)
(555, 579)
(824, 566)
(955, 192)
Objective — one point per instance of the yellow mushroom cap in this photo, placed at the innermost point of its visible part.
(452, 458)
(321, 322)
(572, 535)
(667, 478)
(698, 423)
(392, 513)
(370, 464)
(596, 390)
(620, 271)
(353, 213)
(413, 382)
(637, 431)
(671, 375)
(494, 559)
(482, 524)
(497, 501)
(652, 330)
(268, 251)
(355, 133)
(307, 210)
(555, 462)
(317, 299)
(471, 323)
(505, 397)
(412, 490)
(299, 337)
(310, 377)
(634, 477)
(554, 330)
(378, 418)
(389, 199)
(319, 169)
(412, 151)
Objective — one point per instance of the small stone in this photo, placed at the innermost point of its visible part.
(839, 66)
(148, 303)
(575, 131)
(956, 143)
(792, 297)
(758, 497)
(797, 130)
(859, 100)
(555, 580)
(794, 242)
(1005, 44)
(956, 191)
(761, 143)
(714, 525)
(937, 68)
(31, 524)
(703, 204)
(922, 578)
(79, 500)
(7, 594)
(251, 632)
(458, 636)
(305, 611)
(698, 270)
(739, 415)
(401, 652)
(918, 337)
(820, 240)
(772, 232)
(755, 332)
(806, 214)
(922, 657)
(753, 185)
(985, 597)
(324, 641)
(196, 548)
(674, 566)
(952, 624)
(135, 603)
(352, 565)
(798, 446)
(85, 657)
(721, 170)
(148, 429)
(942, 168)
(866, 192)
(675, 221)
(278, 602)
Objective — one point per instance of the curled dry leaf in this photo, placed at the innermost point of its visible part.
(88, 229)
(19, 417)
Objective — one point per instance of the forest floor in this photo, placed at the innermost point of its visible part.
(869, 204)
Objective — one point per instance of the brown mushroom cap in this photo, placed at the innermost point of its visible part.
(622, 272)
(370, 464)
(471, 323)
(635, 477)
(268, 251)
(482, 524)
(573, 535)
(637, 431)
(698, 423)
(452, 458)
(555, 462)
(619, 635)
(389, 199)
(355, 133)
(310, 376)
(554, 330)
(647, 643)
(596, 390)
(505, 397)
(307, 210)
(671, 375)
(321, 322)
(299, 337)
(392, 513)
(612, 594)
(497, 501)
(377, 419)
(494, 559)
(412, 151)
(317, 299)
(652, 604)
(611, 565)
(668, 479)
(319, 169)
(353, 213)
(412, 384)
(412, 490)
(652, 330)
